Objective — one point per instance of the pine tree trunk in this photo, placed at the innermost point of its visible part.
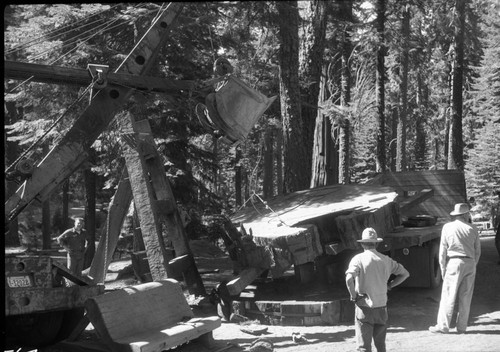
(279, 162)
(403, 88)
(311, 62)
(380, 159)
(268, 165)
(296, 176)
(344, 152)
(322, 134)
(455, 153)
(345, 96)
(394, 138)
(420, 140)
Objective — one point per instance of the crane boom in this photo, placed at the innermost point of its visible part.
(72, 150)
(81, 77)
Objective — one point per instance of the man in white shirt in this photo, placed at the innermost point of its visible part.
(367, 281)
(459, 254)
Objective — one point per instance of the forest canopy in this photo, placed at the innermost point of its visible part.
(364, 87)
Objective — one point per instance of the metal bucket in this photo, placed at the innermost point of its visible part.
(234, 108)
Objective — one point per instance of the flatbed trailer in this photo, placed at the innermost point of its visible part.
(319, 227)
(417, 249)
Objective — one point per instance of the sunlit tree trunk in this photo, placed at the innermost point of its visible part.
(311, 62)
(394, 138)
(456, 147)
(420, 139)
(345, 96)
(322, 140)
(403, 88)
(380, 159)
(296, 176)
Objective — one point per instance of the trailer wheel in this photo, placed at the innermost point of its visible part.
(32, 330)
(434, 268)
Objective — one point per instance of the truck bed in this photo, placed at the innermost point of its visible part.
(412, 236)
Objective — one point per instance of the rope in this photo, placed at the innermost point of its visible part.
(272, 211)
(48, 35)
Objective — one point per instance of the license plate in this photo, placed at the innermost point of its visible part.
(19, 281)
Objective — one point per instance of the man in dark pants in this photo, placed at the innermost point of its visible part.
(74, 241)
(367, 279)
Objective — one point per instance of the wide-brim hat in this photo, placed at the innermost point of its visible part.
(369, 235)
(460, 208)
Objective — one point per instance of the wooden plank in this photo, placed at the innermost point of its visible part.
(143, 200)
(152, 191)
(117, 210)
(245, 278)
(418, 198)
(448, 185)
(81, 77)
(64, 271)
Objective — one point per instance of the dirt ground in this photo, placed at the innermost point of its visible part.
(411, 312)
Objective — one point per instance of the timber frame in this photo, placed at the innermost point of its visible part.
(142, 159)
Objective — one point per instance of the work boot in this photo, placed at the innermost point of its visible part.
(437, 330)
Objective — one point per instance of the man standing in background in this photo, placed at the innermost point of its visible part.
(74, 240)
(459, 254)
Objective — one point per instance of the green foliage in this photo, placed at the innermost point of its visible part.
(202, 173)
(483, 151)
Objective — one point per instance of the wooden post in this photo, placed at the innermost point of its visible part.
(107, 243)
(156, 205)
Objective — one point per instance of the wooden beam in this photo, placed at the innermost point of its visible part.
(77, 279)
(81, 77)
(245, 278)
(117, 210)
(155, 204)
(416, 199)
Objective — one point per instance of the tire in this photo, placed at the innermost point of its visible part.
(38, 330)
(32, 330)
(434, 267)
